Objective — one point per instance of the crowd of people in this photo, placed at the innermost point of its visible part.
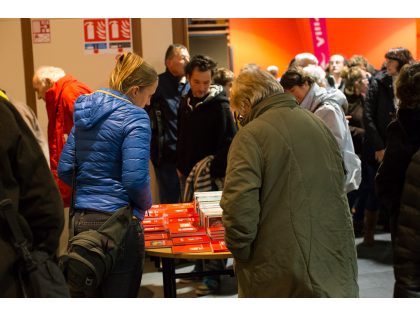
(306, 159)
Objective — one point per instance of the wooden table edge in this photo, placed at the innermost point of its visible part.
(167, 253)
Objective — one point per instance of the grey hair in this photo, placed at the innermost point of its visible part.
(251, 87)
(304, 59)
(49, 72)
(316, 73)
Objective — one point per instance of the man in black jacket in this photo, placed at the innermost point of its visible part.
(163, 113)
(27, 180)
(205, 128)
(205, 123)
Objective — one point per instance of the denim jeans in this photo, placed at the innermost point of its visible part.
(125, 278)
(168, 182)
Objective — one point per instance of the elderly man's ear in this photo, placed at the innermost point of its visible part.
(48, 82)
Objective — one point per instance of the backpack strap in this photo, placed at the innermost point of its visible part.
(20, 243)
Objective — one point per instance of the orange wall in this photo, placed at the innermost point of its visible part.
(277, 41)
(418, 38)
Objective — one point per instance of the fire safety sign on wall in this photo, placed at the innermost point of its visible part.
(41, 31)
(103, 36)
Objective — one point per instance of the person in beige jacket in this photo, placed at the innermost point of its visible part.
(286, 216)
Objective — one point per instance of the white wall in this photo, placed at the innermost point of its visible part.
(156, 37)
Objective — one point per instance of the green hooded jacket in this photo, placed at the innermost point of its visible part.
(286, 215)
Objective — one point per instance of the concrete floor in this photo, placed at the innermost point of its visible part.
(376, 278)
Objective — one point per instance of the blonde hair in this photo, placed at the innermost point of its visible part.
(251, 87)
(49, 72)
(354, 77)
(129, 71)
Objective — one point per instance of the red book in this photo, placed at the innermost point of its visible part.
(190, 240)
(219, 246)
(194, 219)
(156, 236)
(176, 226)
(162, 243)
(149, 229)
(192, 248)
(157, 221)
(165, 207)
(183, 212)
(188, 231)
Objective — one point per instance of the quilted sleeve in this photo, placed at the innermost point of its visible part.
(135, 158)
(66, 163)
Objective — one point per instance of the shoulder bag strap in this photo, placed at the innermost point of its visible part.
(73, 190)
(20, 243)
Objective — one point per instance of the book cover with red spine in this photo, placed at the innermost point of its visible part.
(193, 219)
(157, 221)
(192, 248)
(161, 243)
(188, 231)
(149, 229)
(177, 241)
(156, 236)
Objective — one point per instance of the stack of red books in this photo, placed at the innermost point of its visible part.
(180, 226)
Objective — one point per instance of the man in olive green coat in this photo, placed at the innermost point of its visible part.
(286, 216)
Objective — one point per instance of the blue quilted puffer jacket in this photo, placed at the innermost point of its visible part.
(112, 138)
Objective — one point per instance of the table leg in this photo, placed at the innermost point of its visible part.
(168, 273)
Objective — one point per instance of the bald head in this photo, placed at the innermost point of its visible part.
(336, 64)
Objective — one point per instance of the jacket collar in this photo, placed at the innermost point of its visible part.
(275, 100)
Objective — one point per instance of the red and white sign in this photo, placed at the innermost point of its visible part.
(95, 30)
(41, 32)
(107, 36)
(119, 29)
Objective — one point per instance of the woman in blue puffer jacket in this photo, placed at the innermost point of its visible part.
(110, 147)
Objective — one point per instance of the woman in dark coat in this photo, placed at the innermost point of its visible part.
(396, 187)
(379, 111)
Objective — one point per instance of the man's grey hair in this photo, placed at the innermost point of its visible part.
(49, 72)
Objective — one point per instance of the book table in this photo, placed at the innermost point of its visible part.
(168, 266)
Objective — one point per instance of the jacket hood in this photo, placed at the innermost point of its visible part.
(275, 100)
(215, 92)
(91, 108)
(317, 95)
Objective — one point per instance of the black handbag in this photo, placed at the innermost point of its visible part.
(37, 271)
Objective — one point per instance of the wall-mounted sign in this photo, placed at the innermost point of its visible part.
(107, 36)
(41, 32)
